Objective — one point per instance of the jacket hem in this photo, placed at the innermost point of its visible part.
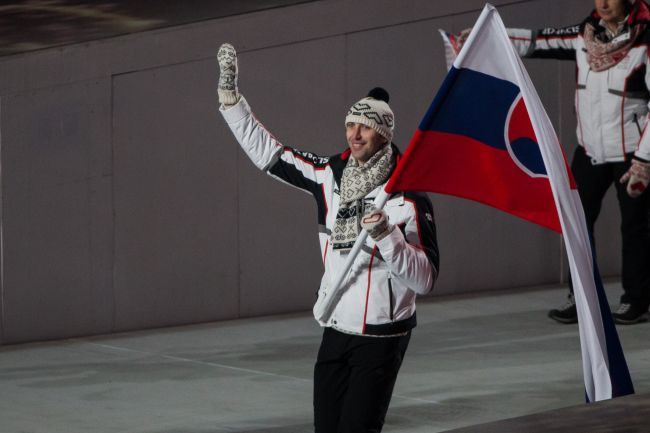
(393, 328)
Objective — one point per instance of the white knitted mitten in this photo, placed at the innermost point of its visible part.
(227, 90)
(462, 37)
(376, 224)
(637, 178)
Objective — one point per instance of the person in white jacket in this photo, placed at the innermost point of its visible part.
(612, 102)
(366, 335)
(612, 99)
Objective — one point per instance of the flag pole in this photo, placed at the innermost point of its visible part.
(328, 296)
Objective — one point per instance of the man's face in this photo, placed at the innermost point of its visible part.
(612, 11)
(363, 141)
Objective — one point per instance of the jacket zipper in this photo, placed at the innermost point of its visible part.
(391, 298)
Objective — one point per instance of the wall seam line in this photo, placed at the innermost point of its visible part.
(113, 238)
(2, 252)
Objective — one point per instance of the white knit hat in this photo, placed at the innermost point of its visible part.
(373, 111)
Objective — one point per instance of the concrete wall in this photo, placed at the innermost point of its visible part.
(126, 203)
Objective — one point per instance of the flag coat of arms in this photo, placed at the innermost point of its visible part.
(486, 137)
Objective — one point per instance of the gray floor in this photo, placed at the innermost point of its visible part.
(472, 359)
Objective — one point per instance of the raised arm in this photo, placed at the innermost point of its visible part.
(299, 169)
(547, 43)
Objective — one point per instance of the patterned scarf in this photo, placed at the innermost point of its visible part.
(357, 181)
(603, 54)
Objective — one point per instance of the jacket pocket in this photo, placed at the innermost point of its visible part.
(636, 122)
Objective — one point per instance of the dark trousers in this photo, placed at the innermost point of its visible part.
(353, 381)
(593, 182)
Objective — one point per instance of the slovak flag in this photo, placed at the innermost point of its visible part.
(487, 137)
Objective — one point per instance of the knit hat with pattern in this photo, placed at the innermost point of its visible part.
(373, 111)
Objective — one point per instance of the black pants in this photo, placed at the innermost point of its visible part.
(353, 381)
(593, 182)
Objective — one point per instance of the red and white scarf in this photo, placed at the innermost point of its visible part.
(601, 54)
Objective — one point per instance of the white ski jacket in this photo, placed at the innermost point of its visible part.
(611, 105)
(379, 293)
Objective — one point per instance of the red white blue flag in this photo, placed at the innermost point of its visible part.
(487, 137)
